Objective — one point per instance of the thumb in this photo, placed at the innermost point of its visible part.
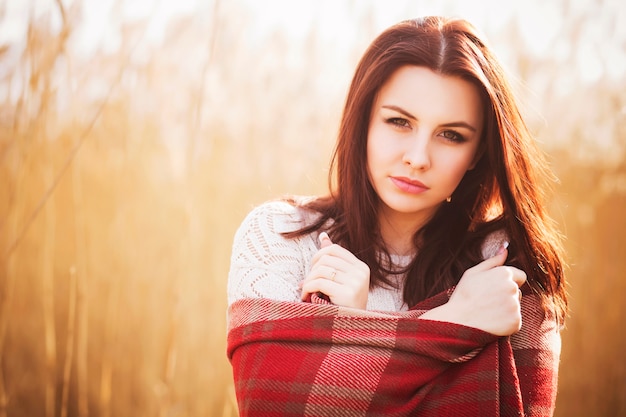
(497, 260)
(325, 240)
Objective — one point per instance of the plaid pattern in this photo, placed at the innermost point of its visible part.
(309, 359)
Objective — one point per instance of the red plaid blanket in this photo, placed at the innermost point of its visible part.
(303, 359)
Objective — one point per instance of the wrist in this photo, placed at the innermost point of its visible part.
(444, 312)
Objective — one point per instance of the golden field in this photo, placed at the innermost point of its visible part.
(134, 141)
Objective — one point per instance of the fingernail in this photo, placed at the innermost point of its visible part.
(323, 236)
(504, 246)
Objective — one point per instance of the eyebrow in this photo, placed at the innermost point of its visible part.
(410, 116)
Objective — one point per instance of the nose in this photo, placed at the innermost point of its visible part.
(417, 153)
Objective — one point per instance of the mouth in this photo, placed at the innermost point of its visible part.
(409, 185)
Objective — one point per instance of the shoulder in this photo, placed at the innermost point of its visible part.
(264, 262)
(492, 243)
(279, 216)
(270, 220)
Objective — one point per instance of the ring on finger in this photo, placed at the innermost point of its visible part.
(333, 274)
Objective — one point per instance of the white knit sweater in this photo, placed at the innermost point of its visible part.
(265, 264)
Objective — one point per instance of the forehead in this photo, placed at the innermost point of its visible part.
(427, 94)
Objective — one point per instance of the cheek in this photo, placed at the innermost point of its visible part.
(375, 150)
(382, 145)
(459, 165)
(373, 165)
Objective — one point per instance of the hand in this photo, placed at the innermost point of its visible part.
(487, 298)
(338, 274)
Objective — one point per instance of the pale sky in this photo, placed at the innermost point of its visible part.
(539, 22)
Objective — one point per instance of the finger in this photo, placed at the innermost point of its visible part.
(497, 260)
(514, 274)
(324, 286)
(333, 250)
(325, 240)
(324, 270)
(519, 276)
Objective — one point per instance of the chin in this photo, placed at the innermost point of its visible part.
(405, 208)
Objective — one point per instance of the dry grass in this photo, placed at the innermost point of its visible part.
(125, 174)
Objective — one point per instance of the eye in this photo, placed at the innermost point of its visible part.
(453, 136)
(398, 121)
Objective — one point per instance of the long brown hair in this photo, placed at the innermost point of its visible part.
(502, 192)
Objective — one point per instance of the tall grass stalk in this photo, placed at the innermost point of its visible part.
(8, 261)
(47, 276)
(81, 288)
(69, 343)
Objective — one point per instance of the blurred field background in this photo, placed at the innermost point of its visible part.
(136, 135)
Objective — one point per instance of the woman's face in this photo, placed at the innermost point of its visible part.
(423, 136)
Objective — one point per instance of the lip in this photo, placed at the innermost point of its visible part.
(409, 185)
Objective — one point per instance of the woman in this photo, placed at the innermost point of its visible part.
(432, 277)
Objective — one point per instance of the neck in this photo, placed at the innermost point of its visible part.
(397, 231)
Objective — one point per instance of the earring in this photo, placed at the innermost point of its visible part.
(448, 199)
